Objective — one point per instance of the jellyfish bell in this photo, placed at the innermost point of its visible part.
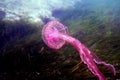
(51, 32)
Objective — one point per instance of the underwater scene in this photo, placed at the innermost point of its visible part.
(59, 39)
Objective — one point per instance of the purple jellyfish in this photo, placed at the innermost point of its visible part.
(54, 34)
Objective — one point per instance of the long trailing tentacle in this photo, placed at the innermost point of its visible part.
(99, 61)
(88, 60)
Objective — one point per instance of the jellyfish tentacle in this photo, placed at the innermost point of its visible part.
(84, 55)
(90, 62)
(99, 61)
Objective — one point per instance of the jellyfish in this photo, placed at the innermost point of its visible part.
(55, 35)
